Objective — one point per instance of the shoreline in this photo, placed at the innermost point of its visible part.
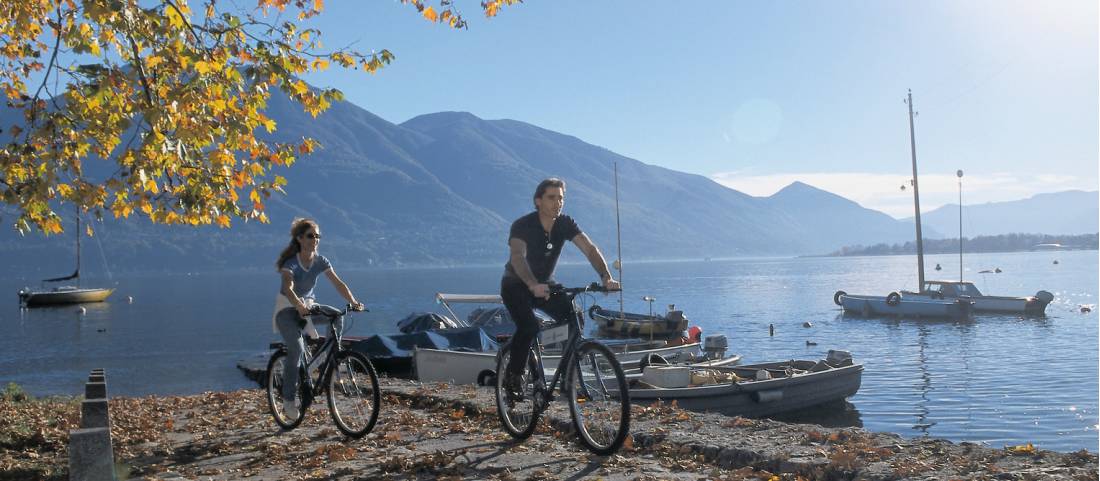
(447, 431)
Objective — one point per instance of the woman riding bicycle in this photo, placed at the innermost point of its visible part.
(300, 265)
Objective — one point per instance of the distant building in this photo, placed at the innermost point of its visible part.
(1048, 247)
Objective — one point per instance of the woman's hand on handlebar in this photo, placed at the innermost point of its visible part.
(612, 285)
(302, 310)
(356, 306)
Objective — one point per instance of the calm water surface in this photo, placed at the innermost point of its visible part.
(995, 379)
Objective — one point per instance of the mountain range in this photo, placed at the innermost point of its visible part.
(443, 188)
(1068, 212)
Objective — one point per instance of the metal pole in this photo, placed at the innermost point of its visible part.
(78, 248)
(960, 174)
(619, 244)
(916, 197)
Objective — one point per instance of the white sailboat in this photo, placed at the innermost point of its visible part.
(67, 294)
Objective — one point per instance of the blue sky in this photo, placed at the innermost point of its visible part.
(758, 94)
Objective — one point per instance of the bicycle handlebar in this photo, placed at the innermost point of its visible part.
(593, 287)
(319, 309)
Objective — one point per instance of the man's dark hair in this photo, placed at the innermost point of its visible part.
(546, 184)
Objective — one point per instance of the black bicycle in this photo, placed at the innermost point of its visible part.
(591, 377)
(346, 377)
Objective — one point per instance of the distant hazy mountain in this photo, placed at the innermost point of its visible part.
(834, 220)
(442, 189)
(1068, 212)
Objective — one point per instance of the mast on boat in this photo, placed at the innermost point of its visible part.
(619, 244)
(916, 197)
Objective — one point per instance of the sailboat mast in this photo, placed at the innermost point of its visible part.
(619, 244)
(960, 174)
(78, 249)
(916, 197)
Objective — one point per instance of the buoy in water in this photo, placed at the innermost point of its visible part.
(82, 310)
(130, 299)
(1085, 309)
(997, 270)
(1055, 261)
(807, 324)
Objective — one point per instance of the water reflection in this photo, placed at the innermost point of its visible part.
(840, 414)
(925, 386)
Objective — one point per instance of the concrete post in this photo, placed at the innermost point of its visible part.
(94, 414)
(90, 455)
(95, 390)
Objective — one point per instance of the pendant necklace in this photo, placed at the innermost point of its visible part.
(549, 245)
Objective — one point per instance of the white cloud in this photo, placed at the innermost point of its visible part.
(883, 192)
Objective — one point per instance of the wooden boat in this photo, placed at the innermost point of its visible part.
(946, 290)
(463, 367)
(627, 324)
(759, 390)
(904, 305)
(30, 297)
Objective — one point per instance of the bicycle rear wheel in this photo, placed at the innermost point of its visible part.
(518, 411)
(353, 394)
(599, 399)
(275, 393)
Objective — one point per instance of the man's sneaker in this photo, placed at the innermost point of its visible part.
(290, 410)
(513, 387)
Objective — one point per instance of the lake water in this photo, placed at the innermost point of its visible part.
(998, 380)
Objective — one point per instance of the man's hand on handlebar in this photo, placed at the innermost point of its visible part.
(540, 291)
(357, 306)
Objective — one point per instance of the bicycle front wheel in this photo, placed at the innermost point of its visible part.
(275, 394)
(599, 399)
(517, 408)
(353, 394)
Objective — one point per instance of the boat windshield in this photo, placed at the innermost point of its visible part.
(968, 289)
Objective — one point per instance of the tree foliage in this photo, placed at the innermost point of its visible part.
(172, 96)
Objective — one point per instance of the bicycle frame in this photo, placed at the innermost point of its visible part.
(330, 348)
(566, 362)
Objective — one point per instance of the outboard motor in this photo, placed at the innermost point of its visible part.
(838, 358)
(714, 346)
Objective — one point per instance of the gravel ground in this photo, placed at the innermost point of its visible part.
(452, 432)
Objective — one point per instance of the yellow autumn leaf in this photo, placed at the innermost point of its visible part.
(174, 18)
(150, 185)
(223, 221)
(429, 13)
(202, 67)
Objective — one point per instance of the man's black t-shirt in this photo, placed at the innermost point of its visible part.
(542, 249)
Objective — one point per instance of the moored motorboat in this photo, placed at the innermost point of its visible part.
(904, 305)
(465, 367)
(947, 290)
(627, 324)
(756, 390)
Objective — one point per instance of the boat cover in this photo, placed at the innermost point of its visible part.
(401, 345)
(425, 321)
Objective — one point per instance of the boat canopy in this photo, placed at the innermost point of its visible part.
(468, 298)
(953, 288)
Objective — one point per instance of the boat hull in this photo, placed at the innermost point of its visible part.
(458, 367)
(74, 296)
(762, 398)
(1001, 304)
(907, 306)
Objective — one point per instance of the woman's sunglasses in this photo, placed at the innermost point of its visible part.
(313, 236)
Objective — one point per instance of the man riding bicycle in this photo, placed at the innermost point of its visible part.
(534, 243)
